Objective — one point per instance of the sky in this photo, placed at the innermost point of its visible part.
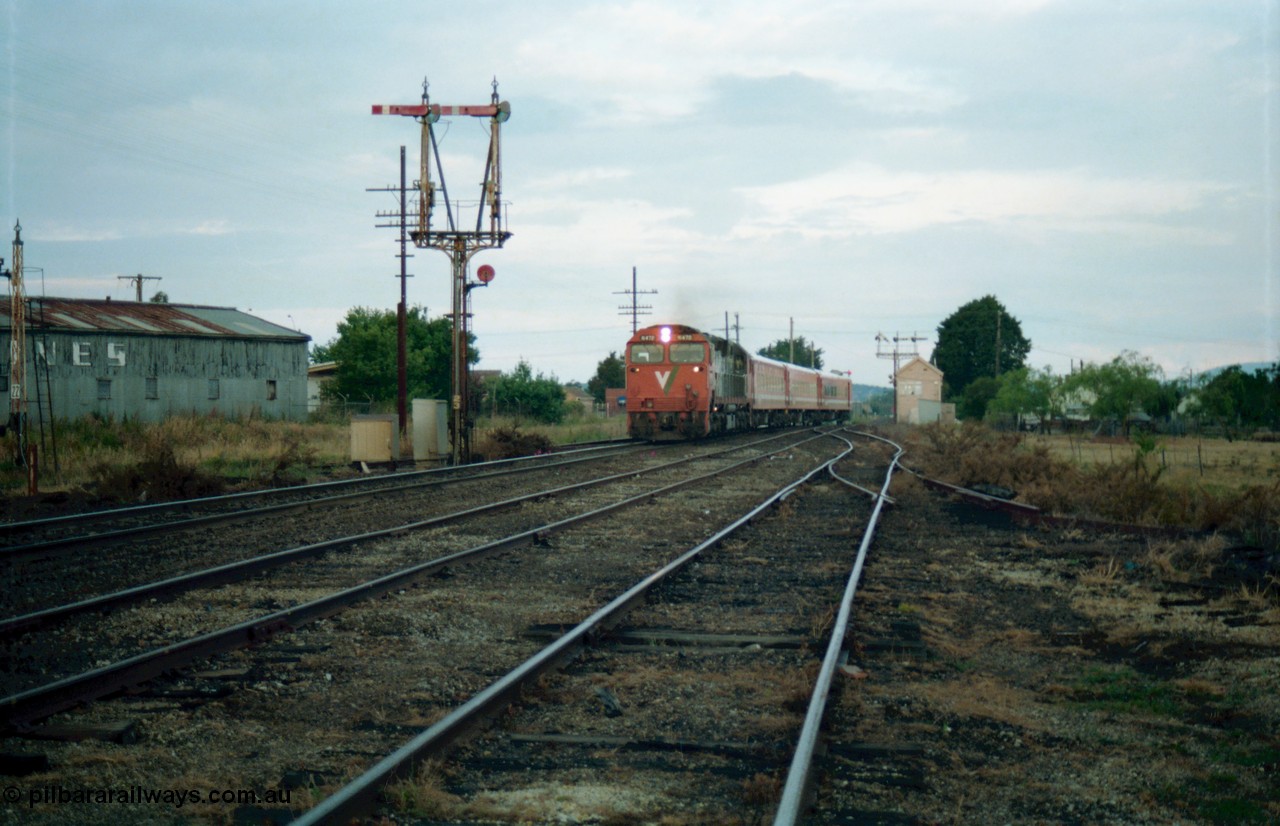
(1106, 169)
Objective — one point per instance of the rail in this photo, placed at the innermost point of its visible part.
(798, 775)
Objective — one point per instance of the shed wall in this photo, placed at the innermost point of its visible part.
(151, 377)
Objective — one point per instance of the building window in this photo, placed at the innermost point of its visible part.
(214, 389)
(153, 387)
(104, 389)
(271, 390)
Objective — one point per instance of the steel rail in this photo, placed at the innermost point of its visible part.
(360, 796)
(36, 550)
(241, 569)
(19, 711)
(180, 504)
(798, 775)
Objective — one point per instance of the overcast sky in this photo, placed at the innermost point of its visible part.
(1105, 169)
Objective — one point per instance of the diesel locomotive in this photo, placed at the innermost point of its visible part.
(683, 383)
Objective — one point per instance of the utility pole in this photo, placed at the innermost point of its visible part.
(999, 316)
(791, 340)
(896, 354)
(635, 310)
(17, 346)
(459, 244)
(402, 357)
(137, 281)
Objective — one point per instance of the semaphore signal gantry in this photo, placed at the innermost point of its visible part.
(458, 243)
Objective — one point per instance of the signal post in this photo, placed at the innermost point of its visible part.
(458, 243)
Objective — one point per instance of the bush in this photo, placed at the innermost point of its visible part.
(509, 443)
(157, 476)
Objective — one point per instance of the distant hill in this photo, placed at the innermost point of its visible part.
(865, 392)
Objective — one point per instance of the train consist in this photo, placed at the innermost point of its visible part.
(685, 384)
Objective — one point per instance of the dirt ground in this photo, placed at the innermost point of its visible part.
(1007, 674)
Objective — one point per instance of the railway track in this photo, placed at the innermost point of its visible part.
(686, 714)
(372, 562)
(562, 679)
(38, 538)
(561, 572)
(89, 568)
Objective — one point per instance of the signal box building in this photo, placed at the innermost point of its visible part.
(149, 361)
(919, 394)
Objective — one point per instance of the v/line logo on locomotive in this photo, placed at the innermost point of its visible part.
(683, 383)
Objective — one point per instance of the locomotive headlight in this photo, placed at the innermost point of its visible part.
(697, 368)
(665, 334)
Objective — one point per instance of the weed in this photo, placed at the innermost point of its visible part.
(1124, 690)
(157, 475)
(424, 795)
(1106, 573)
(761, 790)
(509, 442)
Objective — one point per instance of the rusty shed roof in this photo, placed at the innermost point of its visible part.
(144, 318)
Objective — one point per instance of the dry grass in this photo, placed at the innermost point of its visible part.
(103, 453)
(1122, 482)
(1183, 459)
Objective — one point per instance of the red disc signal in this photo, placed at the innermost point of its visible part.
(485, 273)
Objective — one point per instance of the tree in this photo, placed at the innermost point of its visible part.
(365, 350)
(161, 297)
(977, 395)
(611, 372)
(1128, 384)
(1029, 392)
(806, 355)
(1236, 399)
(979, 339)
(520, 393)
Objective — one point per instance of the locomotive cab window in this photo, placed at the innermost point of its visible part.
(646, 353)
(688, 353)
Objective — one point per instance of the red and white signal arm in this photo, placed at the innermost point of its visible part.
(485, 273)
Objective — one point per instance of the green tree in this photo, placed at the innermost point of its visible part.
(1234, 399)
(611, 372)
(522, 394)
(365, 351)
(1128, 384)
(1029, 392)
(977, 395)
(979, 339)
(806, 354)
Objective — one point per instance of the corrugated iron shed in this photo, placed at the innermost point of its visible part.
(130, 359)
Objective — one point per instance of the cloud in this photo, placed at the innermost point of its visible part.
(212, 227)
(643, 62)
(71, 234)
(863, 199)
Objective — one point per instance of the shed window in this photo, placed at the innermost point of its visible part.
(214, 389)
(104, 388)
(153, 387)
(271, 390)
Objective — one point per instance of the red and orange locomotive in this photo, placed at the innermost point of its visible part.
(685, 384)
